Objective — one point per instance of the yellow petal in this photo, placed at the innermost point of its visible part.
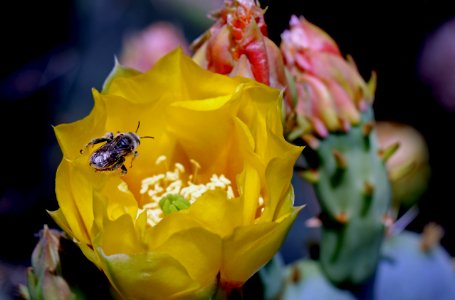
(75, 200)
(278, 177)
(197, 131)
(212, 211)
(250, 247)
(277, 146)
(251, 187)
(117, 198)
(119, 236)
(199, 252)
(196, 249)
(244, 155)
(257, 101)
(286, 205)
(72, 137)
(206, 124)
(175, 76)
(217, 213)
(209, 104)
(244, 135)
(60, 219)
(172, 224)
(91, 255)
(149, 275)
(116, 72)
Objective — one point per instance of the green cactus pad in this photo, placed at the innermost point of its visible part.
(306, 281)
(354, 192)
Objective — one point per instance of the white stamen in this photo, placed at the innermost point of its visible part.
(177, 182)
(123, 187)
(147, 182)
(180, 167)
(160, 159)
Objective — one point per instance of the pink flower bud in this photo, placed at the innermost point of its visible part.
(324, 89)
(142, 49)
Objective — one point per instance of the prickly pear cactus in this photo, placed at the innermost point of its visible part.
(351, 183)
(329, 108)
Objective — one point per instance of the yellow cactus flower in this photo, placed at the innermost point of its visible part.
(205, 203)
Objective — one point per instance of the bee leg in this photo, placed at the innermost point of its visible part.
(108, 137)
(117, 165)
(120, 164)
(134, 156)
(124, 170)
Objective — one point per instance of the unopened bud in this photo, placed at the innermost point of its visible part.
(237, 45)
(327, 89)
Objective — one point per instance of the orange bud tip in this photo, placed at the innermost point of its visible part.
(431, 236)
(389, 151)
(340, 159)
(367, 128)
(295, 275)
(312, 176)
(368, 188)
(342, 217)
(351, 61)
(311, 140)
(372, 84)
(345, 125)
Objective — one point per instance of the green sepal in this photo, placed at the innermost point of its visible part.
(291, 86)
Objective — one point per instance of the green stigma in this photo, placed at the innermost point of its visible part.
(172, 203)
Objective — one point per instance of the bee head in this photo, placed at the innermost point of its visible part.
(127, 140)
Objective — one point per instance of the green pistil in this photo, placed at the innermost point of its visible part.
(172, 203)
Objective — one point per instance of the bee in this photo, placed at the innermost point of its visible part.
(111, 155)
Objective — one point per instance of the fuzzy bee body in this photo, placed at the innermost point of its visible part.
(111, 155)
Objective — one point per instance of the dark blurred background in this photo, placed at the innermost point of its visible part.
(54, 52)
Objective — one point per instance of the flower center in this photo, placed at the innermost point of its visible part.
(174, 190)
